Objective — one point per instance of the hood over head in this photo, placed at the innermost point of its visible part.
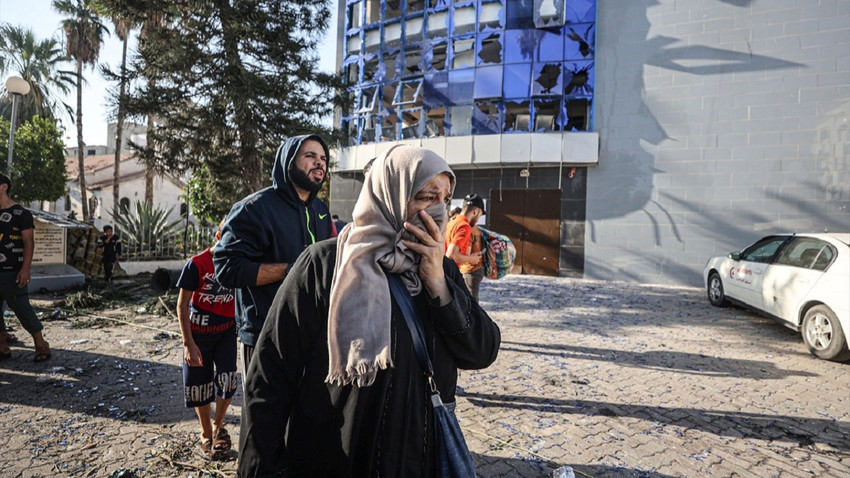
(283, 159)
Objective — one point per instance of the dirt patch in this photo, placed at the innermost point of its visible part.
(109, 403)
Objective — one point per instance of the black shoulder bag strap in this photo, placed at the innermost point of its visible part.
(405, 303)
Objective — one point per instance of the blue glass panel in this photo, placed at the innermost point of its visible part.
(547, 79)
(461, 120)
(549, 46)
(579, 11)
(519, 46)
(436, 89)
(519, 14)
(488, 82)
(461, 84)
(579, 78)
(489, 47)
(517, 80)
(580, 41)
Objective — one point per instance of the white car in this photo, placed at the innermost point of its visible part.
(801, 280)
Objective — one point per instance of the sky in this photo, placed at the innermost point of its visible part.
(45, 22)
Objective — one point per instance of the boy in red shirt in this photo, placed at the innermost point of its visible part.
(206, 312)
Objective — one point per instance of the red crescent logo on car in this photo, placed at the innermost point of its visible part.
(732, 272)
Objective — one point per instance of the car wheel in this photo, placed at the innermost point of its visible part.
(823, 336)
(715, 291)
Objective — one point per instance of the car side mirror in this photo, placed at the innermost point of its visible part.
(735, 256)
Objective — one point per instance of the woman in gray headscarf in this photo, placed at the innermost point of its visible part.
(335, 388)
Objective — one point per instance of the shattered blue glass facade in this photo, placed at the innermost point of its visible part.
(431, 68)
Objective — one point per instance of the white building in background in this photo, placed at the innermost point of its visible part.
(99, 171)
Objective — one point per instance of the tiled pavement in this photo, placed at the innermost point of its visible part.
(612, 379)
(617, 379)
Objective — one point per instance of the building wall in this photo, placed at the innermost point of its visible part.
(720, 121)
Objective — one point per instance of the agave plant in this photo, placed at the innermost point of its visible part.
(143, 227)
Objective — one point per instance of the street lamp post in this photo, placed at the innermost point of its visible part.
(16, 86)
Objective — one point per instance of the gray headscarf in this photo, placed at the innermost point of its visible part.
(368, 248)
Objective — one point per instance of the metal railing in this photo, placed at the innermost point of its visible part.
(181, 244)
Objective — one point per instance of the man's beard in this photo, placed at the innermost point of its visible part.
(304, 182)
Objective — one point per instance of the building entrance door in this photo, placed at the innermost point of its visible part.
(532, 219)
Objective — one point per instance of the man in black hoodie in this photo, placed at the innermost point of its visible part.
(267, 230)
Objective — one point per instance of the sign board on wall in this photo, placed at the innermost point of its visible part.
(49, 244)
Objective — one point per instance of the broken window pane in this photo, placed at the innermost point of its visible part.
(517, 80)
(517, 116)
(367, 99)
(409, 93)
(436, 89)
(412, 56)
(464, 20)
(578, 78)
(410, 127)
(581, 11)
(355, 15)
(519, 46)
(372, 39)
(490, 16)
(373, 11)
(413, 30)
(486, 118)
(464, 53)
(352, 73)
(578, 113)
(390, 59)
(370, 68)
(392, 35)
(490, 48)
(548, 13)
(438, 56)
(549, 46)
(434, 122)
(547, 79)
(461, 83)
(461, 120)
(488, 82)
(388, 95)
(414, 6)
(393, 9)
(438, 25)
(353, 45)
(579, 42)
(545, 115)
(388, 128)
(369, 131)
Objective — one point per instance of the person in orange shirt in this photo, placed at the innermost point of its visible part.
(463, 242)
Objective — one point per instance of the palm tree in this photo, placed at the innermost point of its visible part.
(123, 24)
(41, 63)
(84, 34)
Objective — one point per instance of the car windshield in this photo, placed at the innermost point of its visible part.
(763, 250)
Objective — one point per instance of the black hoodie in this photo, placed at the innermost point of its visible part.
(270, 226)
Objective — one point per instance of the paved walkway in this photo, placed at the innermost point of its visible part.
(621, 380)
(613, 379)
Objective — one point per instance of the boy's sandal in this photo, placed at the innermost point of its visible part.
(209, 453)
(11, 338)
(221, 440)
